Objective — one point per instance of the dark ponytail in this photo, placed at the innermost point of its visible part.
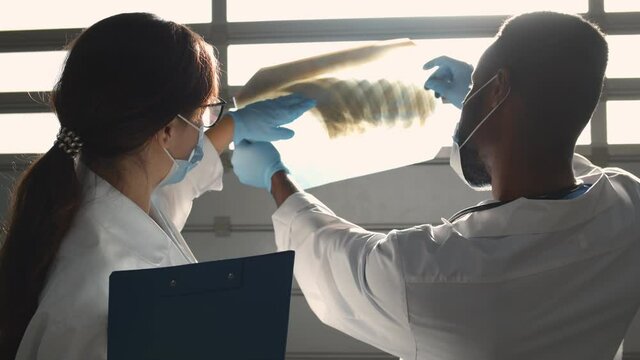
(124, 78)
(43, 206)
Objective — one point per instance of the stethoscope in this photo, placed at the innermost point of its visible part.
(558, 195)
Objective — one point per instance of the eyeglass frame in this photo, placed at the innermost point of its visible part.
(222, 104)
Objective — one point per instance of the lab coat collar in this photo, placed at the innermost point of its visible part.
(121, 216)
(525, 216)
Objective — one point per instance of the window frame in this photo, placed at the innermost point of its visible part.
(222, 33)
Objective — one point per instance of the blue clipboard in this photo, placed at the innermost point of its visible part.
(228, 309)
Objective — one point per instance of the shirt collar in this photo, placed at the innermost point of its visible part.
(525, 216)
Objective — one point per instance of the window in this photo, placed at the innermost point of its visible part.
(258, 34)
(623, 63)
(585, 137)
(621, 5)
(30, 71)
(250, 10)
(30, 133)
(623, 122)
(60, 14)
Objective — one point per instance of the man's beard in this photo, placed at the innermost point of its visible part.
(474, 169)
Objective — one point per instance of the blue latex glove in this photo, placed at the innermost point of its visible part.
(255, 163)
(262, 120)
(451, 81)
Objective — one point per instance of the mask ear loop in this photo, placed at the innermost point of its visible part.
(481, 87)
(189, 122)
(165, 149)
(490, 112)
(173, 160)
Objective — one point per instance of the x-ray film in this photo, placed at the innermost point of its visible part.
(372, 113)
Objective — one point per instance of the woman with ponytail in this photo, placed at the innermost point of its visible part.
(137, 100)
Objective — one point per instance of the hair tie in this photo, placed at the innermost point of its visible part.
(69, 142)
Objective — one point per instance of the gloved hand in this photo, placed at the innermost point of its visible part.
(262, 120)
(452, 79)
(255, 163)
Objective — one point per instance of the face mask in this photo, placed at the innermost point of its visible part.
(180, 168)
(455, 160)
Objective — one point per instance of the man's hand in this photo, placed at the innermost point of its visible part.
(451, 81)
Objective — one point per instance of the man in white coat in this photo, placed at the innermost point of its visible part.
(547, 269)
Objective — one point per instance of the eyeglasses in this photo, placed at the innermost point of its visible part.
(212, 113)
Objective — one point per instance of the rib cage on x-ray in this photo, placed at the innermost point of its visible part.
(352, 106)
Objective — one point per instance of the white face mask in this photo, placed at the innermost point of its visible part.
(455, 160)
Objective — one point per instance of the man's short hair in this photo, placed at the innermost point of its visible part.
(557, 63)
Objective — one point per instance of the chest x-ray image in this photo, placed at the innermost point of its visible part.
(372, 112)
(350, 106)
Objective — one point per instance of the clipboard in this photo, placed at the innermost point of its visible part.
(228, 309)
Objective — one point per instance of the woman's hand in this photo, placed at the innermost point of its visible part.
(263, 120)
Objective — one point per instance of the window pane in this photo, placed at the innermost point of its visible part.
(22, 15)
(27, 133)
(623, 57)
(261, 55)
(622, 122)
(251, 10)
(30, 71)
(621, 5)
(585, 137)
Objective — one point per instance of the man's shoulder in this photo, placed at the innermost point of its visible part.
(625, 183)
(624, 174)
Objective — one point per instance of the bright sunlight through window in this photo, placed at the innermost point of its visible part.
(251, 10)
(623, 124)
(621, 5)
(30, 71)
(30, 133)
(58, 14)
(623, 62)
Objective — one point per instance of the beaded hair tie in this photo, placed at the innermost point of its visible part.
(69, 142)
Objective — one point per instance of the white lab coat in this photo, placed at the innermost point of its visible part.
(532, 279)
(109, 233)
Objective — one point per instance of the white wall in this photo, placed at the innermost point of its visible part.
(393, 199)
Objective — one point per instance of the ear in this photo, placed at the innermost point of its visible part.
(502, 86)
(166, 134)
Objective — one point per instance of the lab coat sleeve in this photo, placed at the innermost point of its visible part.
(351, 278)
(175, 201)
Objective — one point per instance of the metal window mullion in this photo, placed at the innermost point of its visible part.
(598, 149)
(362, 29)
(36, 40)
(596, 13)
(622, 89)
(284, 31)
(596, 7)
(219, 38)
(323, 30)
(24, 102)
